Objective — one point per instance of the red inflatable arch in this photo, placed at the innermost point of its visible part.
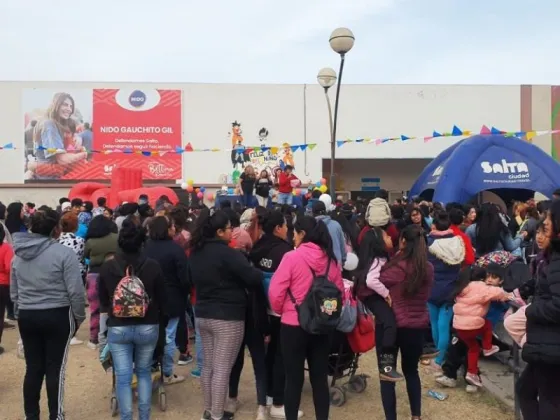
(126, 185)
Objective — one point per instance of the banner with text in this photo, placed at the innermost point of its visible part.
(63, 127)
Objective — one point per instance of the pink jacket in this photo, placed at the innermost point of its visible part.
(372, 278)
(471, 305)
(294, 273)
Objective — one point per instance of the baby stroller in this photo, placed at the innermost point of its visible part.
(157, 375)
(343, 363)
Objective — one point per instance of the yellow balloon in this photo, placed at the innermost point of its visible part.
(190, 182)
(323, 188)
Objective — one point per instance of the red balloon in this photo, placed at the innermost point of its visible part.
(200, 195)
(190, 188)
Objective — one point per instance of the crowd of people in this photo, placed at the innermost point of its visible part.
(160, 275)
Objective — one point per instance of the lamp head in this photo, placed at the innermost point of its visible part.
(326, 77)
(342, 40)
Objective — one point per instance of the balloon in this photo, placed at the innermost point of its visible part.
(200, 195)
(323, 181)
(230, 191)
(323, 188)
(190, 181)
(202, 189)
(318, 184)
(197, 190)
(190, 188)
(210, 196)
(184, 186)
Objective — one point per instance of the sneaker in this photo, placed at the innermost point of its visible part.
(473, 379)
(269, 401)
(173, 379)
(195, 373)
(184, 359)
(262, 414)
(206, 415)
(387, 369)
(490, 352)
(429, 352)
(436, 369)
(447, 382)
(232, 404)
(92, 346)
(471, 389)
(75, 342)
(278, 413)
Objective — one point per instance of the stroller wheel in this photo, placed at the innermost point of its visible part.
(357, 384)
(114, 407)
(162, 399)
(338, 396)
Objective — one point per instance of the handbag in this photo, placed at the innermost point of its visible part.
(362, 337)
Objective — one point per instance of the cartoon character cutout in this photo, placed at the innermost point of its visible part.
(263, 137)
(329, 306)
(288, 156)
(238, 155)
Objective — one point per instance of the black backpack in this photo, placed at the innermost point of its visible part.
(320, 310)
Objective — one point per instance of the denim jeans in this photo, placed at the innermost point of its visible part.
(440, 318)
(285, 198)
(170, 346)
(246, 199)
(124, 342)
(198, 345)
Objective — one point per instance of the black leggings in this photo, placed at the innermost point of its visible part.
(182, 336)
(410, 342)
(46, 335)
(301, 346)
(385, 320)
(275, 373)
(538, 390)
(255, 342)
(4, 300)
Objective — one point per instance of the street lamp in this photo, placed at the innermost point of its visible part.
(342, 41)
(327, 78)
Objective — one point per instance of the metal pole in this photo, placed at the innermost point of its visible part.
(329, 107)
(332, 182)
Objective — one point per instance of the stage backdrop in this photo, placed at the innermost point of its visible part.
(84, 134)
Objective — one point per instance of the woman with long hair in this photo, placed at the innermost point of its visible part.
(409, 277)
(247, 182)
(490, 232)
(291, 283)
(44, 268)
(6, 255)
(350, 236)
(101, 244)
(220, 276)
(132, 340)
(15, 218)
(417, 217)
(538, 387)
(52, 137)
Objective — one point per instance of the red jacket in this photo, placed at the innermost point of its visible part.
(469, 250)
(6, 255)
(410, 312)
(391, 230)
(285, 182)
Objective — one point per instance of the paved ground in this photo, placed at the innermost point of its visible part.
(88, 394)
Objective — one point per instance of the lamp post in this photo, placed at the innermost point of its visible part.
(327, 78)
(341, 41)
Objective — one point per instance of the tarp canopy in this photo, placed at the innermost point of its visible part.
(481, 163)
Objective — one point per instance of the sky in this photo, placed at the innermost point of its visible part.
(266, 41)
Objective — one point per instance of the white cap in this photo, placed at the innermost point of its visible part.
(66, 206)
(327, 200)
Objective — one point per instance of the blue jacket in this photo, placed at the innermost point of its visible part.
(445, 272)
(337, 236)
(496, 312)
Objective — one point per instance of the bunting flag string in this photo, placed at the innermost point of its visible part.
(188, 148)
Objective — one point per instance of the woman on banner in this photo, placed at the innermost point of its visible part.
(52, 137)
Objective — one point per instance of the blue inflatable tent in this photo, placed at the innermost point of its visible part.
(481, 163)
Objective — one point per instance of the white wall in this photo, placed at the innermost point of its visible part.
(295, 114)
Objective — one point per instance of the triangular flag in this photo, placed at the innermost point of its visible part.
(9, 146)
(41, 148)
(555, 132)
(436, 134)
(520, 134)
(155, 153)
(128, 150)
(294, 148)
(456, 131)
(188, 147)
(530, 135)
(494, 130)
(274, 150)
(359, 140)
(303, 147)
(339, 143)
(215, 149)
(427, 139)
(179, 149)
(311, 146)
(403, 137)
(146, 153)
(485, 130)
(542, 132)
(378, 141)
(467, 133)
(447, 134)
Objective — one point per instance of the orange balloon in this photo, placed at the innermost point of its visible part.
(190, 188)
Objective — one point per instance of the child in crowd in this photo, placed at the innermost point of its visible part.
(476, 288)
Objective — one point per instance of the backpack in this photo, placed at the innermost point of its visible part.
(319, 312)
(130, 299)
(349, 312)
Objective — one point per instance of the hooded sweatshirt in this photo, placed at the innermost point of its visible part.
(446, 253)
(472, 305)
(46, 275)
(294, 273)
(337, 237)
